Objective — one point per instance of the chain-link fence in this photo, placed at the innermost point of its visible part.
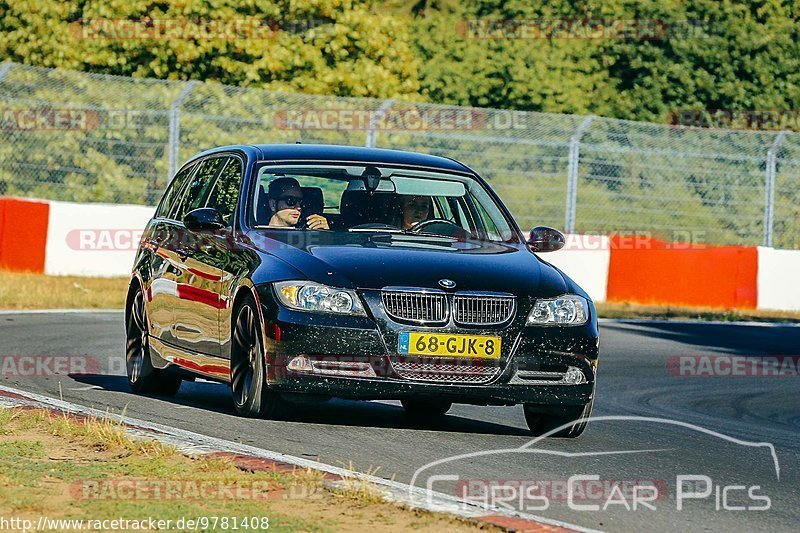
(92, 138)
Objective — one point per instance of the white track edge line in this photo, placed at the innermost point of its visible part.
(398, 492)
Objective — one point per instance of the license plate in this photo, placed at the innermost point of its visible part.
(444, 345)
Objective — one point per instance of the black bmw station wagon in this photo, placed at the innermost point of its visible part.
(360, 273)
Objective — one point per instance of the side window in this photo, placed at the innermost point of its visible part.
(226, 190)
(173, 191)
(200, 185)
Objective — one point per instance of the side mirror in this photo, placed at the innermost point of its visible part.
(203, 219)
(544, 239)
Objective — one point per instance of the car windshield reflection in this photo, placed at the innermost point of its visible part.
(372, 199)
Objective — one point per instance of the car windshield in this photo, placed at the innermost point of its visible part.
(369, 198)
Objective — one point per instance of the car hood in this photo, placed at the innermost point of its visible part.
(375, 261)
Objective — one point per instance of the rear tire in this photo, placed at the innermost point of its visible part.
(541, 423)
(143, 378)
(251, 396)
(426, 410)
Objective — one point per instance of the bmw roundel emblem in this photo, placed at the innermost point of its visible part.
(447, 283)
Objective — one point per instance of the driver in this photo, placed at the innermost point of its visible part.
(414, 210)
(286, 203)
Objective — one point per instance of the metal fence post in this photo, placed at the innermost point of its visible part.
(175, 128)
(572, 173)
(5, 68)
(769, 189)
(371, 139)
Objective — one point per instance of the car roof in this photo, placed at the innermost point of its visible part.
(330, 152)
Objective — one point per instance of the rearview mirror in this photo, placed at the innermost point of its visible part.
(203, 219)
(544, 239)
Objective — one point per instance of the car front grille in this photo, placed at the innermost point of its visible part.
(422, 307)
(434, 307)
(436, 372)
(482, 310)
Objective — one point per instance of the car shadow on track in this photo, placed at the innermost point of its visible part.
(734, 338)
(215, 397)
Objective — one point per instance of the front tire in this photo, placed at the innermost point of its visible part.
(541, 423)
(143, 378)
(251, 396)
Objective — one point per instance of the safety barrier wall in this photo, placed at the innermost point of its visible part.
(61, 238)
(656, 272)
(93, 239)
(23, 234)
(778, 273)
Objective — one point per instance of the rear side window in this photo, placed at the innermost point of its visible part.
(173, 191)
(226, 190)
(199, 185)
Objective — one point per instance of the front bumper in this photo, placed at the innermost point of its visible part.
(356, 358)
(389, 389)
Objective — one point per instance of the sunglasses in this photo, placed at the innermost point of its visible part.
(292, 201)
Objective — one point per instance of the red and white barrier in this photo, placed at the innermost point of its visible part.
(778, 287)
(585, 258)
(661, 273)
(100, 240)
(63, 238)
(23, 234)
(93, 239)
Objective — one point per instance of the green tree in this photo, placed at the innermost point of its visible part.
(337, 47)
(463, 65)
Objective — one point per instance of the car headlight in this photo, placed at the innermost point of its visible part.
(566, 310)
(310, 296)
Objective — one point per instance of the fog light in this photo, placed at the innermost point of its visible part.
(574, 376)
(300, 364)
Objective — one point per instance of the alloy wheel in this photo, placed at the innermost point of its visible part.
(137, 339)
(247, 350)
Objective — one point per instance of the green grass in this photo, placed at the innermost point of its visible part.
(62, 467)
(36, 291)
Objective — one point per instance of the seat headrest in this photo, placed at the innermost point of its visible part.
(263, 212)
(313, 201)
(313, 204)
(359, 207)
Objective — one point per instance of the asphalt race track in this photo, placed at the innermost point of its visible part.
(707, 427)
